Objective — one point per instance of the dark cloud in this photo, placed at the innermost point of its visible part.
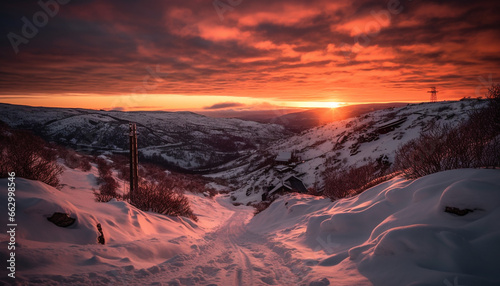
(284, 50)
(224, 105)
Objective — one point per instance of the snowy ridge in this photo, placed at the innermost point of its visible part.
(180, 139)
(136, 241)
(351, 142)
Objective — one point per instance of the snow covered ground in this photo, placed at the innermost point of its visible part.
(135, 240)
(396, 233)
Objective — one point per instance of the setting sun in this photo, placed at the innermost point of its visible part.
(316, 104)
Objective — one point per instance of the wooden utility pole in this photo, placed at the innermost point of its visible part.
(433, 93)
(134, 162)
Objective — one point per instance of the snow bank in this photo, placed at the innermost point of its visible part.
(133, 237)
(398, 233)
(135, 240)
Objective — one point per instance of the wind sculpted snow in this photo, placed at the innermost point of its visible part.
(396, 233)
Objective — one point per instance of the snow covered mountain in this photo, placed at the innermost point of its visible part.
(352, 142)
(304, 120)
(177, 139)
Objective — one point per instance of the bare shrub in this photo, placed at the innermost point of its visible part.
(342, 181)
(101, 198)
(103, 168)
(107, 184)
(423, 155)
(474, 143)
(122, 165)
(28, 156)
(261, 206)
(157, 197)
(85, 164)
(108, 187)
(70, 157)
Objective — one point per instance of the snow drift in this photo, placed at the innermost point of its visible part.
(397, 233)
(136, 241)
(437, 230)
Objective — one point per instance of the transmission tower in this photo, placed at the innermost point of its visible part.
(433, 93)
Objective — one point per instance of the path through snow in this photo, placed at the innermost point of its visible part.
(231, 255)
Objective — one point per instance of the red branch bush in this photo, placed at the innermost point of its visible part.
(28, 156)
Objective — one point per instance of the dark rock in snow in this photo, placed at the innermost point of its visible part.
(61, 219)
(457, 211)
(100, 239)
(322, 282)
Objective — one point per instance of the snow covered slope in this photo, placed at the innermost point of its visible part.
(136, 241)
(181, 139)
(396, 233)
(372, 136)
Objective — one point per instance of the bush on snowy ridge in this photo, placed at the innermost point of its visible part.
(160, 198)
(28, 156)
(473, 144)
(107, 184)
(158, 192)
(74, 160)
(343, 181)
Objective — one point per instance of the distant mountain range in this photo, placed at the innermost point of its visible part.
(178, 140)
(301, 121)
(189, 142)
(298, 120)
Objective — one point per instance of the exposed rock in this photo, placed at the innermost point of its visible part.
(100, 239)
(322, 282)
(61, 219)
(457, 211)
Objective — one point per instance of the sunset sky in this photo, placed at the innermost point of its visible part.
(245, 54)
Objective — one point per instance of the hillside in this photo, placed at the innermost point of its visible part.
(304, 120)
(298, 120)
(181, 140)
(351, 142)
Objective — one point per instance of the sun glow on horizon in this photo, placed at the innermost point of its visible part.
(317, 104)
